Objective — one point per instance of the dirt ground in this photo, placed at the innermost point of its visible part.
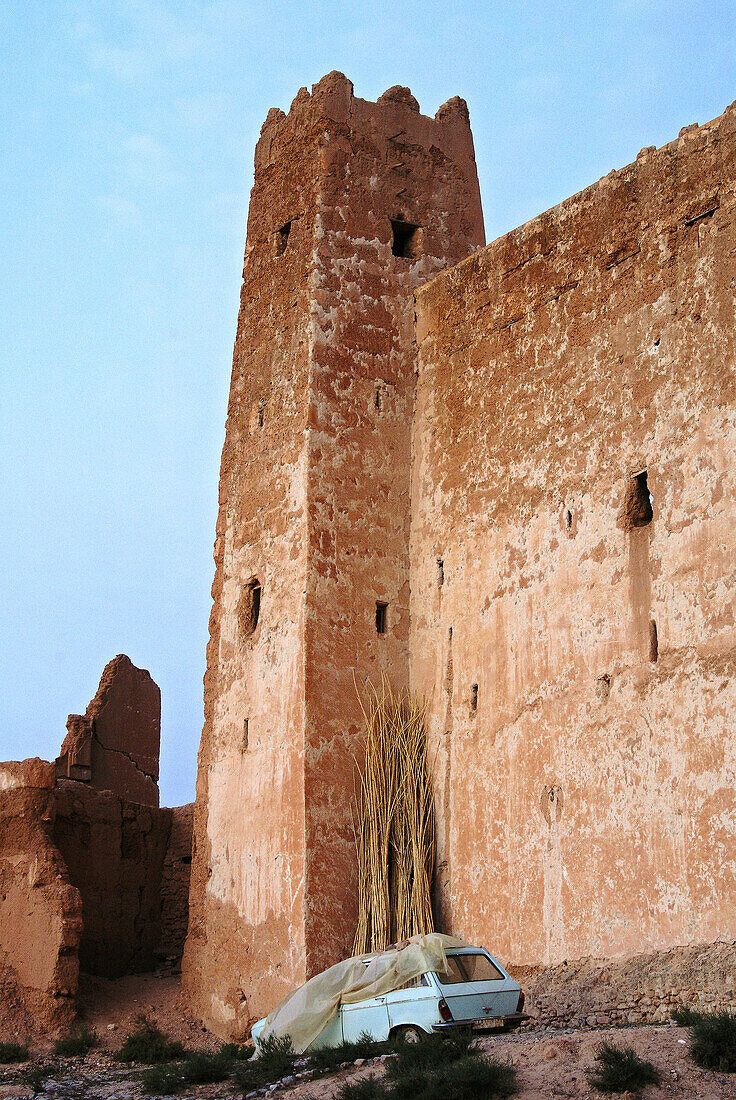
(550, 1063)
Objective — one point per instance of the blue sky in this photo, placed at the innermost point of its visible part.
(126, 160)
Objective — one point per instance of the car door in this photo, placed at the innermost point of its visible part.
(365, 1016)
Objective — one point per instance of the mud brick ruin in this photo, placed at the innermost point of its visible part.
(503, 476)
(93, 875)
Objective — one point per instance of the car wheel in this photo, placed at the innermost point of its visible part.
(409, 1034)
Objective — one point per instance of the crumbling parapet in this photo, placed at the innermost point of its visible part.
(40, 909)
(114, 746)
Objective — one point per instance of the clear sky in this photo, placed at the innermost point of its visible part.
(127, 139)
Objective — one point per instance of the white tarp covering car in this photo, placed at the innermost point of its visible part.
(425, 984)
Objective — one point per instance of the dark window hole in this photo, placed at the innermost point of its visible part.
(636, 510)
(441, 575)
(282, 239)
(261, 415)
(407, 239)
(186, 860)
(474, 699)
(245, 735)
(653, 641)
(657, 341)
(250, 607)
(381, 612)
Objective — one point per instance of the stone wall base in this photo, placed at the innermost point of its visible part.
(645, 989)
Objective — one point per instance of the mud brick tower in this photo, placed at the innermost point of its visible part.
(354, 206)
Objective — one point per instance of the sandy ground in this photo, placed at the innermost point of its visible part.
(549, 1063)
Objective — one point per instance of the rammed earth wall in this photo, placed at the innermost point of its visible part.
(579, 655)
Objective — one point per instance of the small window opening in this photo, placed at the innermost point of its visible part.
(657, 341)
(282, 239)
(245, 735)
(568, 520)
(441, 574)
(381, 610)
(186, 860)
(474, 699)
(378, 399)
(250, 607)
(653, 641)
(407, 239)
(636, 510)
(261, 415)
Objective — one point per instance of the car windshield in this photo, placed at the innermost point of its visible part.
(469, 968)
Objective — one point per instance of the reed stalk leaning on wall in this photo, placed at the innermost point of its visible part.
(394, 822)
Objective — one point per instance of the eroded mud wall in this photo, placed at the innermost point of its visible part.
(354, 205)
(399, 202)
(576, 645)
(40, 910)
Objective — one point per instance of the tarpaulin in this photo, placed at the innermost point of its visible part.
(303, 1014)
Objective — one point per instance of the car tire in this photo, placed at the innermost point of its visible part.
(408, 1034)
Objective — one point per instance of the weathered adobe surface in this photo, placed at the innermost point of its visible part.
(587, 783)
(40, 910)
(85, 875)
(314, 508)
(114, 851)
(114, 746)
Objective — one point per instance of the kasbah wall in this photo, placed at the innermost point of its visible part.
(524, 451)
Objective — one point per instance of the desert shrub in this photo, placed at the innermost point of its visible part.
(276, 1059)
(35, 1076)
(473, 1077)
(713, 1041)
(236, 1052)
(620, 1069)
(448, 1066)
(329, 1058)
(685, 1017)
(78, 1040)
(200, 1068)
(148, 1046)
(164, 1079)
(434, 1051)
(13, 1052)
(370, 1088)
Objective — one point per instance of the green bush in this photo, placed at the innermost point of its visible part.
(685, 1017)
(276, 1059)
(163, 1079)
(13, 1052)
(447, 1066)
(78, 1040)
(328, 1059)
(620, 1069)
(35, 1076)
(370, 1088)
(713, 1041)
(148, 1046)
(235, 1052)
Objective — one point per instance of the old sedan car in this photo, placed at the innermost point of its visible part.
(475, 992)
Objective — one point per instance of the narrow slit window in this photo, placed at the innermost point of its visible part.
(636, 510)
(261, 415)
(440, 572)
(653, 641)
(381, 616)
(249, 609)
(474, 699)
(245, 735)
(378, 399)
(282, 239)
(407, 239)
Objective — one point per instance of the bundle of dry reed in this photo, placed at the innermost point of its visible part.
(394, 822)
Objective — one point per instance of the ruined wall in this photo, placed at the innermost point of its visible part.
(576, 644)
(114, 746)
(114, 851)
(40, 911)
(314, 503)
(174, 890)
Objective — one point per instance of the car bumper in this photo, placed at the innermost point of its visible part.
(492, 1024)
